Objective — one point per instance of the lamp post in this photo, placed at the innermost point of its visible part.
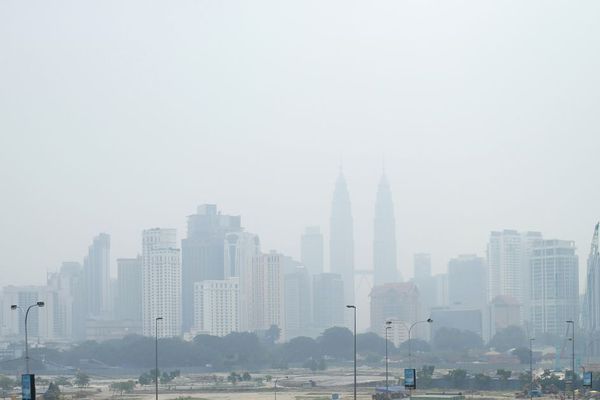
(388, 326)
(354, 308)
(156, 354)
(429, 321)
(572, 357)
(276, 379)
(531, 368)
(14, 307)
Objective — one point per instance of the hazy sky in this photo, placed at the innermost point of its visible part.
(117, 116)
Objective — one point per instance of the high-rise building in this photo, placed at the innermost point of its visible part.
(161, 282)
(297, 300)
(43, 324)
(555, 286)
(266, 303)
(384, 236)
(129, 288)
(69, 286)
(591, 303)
(422, 266)
(397, 302)
(311, 250)
(457, 317)
(341, 241)
(203, 253)
(508, 257)
(216, 308)
(96, 267)
(503, 311)
(328, 301)
(467, 281)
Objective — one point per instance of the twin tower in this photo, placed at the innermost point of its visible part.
(341, 242)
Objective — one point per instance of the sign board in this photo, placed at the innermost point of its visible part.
(28, 386)
(587, 379)
(410, 378)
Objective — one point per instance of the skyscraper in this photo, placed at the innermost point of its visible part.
(311, 250)
(129, 292)
(297, 302)
(467, 281)
(555, 286)
(161, 282)
(508, 257)
(203, 253)
(591, 305)
(328, 301)
(422, 266)
(394, 301)
(96, 267)
(266, 302)
(341, 241)
(384, 238)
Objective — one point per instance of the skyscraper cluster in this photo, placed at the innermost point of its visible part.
(218, 279)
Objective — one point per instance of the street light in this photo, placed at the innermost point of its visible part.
(156, 354)
(14, 307)
(276, 379)
(354, 308)
(429, 321)
(388, 326)
(572, 357)
(531, 368)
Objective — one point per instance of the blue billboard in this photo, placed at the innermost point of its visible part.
(28, 386)
(587, 379)
(410, 378)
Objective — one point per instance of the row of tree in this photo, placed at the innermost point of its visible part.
(249, 351)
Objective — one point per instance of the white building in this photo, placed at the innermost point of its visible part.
(216, 306)
(508, 254)
(161, 282)
(555, 286)
(266, 301)
(298, 313)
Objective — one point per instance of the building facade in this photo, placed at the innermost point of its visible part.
(328, 301)
(129, 289)
(341, 240)
(216, 307)
(96, 267)
(554, 286)
(311, 250)
(161, 282)
(467, 282)
(384, 236)
(203, 252)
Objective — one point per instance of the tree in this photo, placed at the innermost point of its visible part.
(509, 338)
(52, 393)
(272, 334)
(451, 339)
(372, 343)
(523, 354)
(457, 377)
(145, 379)
(246, 376)
(425, 375)
(123, 387)
(504, 374)
(482, 381)
(416, 345)
(322, 365)
(337, 342)
(311, 364)
(82, 379)
(299, 348)
(6, 383)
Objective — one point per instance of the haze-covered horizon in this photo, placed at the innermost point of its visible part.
(117, 117)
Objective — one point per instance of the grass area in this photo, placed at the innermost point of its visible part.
(319, 397)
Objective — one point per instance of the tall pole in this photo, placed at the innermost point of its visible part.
(429, 321)
(387, 328)
(14, 307)
(572, 357)
(354, 308)
(531, 368)
(156, 355)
